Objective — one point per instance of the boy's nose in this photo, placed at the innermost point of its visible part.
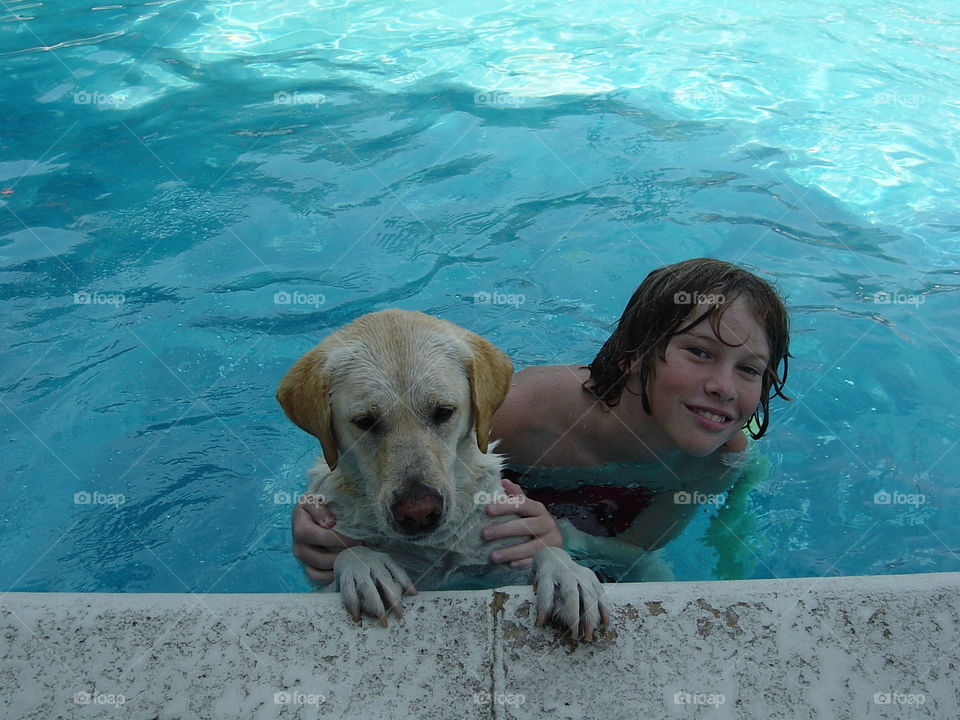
(721, 386)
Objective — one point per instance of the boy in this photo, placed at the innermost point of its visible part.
(693, 362)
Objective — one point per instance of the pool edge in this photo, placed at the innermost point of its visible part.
(847, 647)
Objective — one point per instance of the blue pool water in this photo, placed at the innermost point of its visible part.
(171, 171)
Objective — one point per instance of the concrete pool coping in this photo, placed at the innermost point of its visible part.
(853, 647)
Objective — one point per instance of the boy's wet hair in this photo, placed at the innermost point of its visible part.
(658, 310)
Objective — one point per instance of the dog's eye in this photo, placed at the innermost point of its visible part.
(442, 413)
(365, 422)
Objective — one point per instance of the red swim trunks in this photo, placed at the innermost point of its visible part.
(595, 509)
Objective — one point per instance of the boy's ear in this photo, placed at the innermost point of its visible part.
(489, 371)
(304, 395)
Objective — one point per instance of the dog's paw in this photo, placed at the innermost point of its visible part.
(370, 582)
(568, 592)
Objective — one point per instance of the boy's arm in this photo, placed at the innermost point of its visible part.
(667, 515)
(624, 560)
(660, 522)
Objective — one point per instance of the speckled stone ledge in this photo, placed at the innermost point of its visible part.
(867, 647)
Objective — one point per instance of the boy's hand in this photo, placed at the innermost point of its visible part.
(315, 545)
(534, 522)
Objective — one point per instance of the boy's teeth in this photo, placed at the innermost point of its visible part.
(711, 416)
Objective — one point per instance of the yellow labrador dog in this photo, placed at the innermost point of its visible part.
(401, 403)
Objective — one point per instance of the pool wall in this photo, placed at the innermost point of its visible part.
(853, 647)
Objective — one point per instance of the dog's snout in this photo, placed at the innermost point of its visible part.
(418, 509)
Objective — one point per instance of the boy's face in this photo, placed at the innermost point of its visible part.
(704, 392)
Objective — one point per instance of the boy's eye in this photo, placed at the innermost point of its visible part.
(698, 352)
(750, 370)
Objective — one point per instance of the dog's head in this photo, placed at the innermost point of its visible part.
(398, 398)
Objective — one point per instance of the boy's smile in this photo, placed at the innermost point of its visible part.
(705, 391)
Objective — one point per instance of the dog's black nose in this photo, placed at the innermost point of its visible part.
(417, 510)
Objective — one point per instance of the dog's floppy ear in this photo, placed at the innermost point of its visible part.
(489, 371)
(304, 395)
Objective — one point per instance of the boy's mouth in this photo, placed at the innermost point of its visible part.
(710, 418)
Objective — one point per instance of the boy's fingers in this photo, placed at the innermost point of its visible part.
(511, 488)
(307, 532)
(523, 551)
(321, 577)
(513, 505)
(517, 505)
(506, 529)
(516, 502)
(320, 513)
(314, 535)
(538, 526)
(314, 558)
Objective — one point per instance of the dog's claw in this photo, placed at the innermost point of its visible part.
(370, 583)
(568, 593)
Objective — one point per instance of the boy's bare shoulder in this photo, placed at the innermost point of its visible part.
(535, 413)
(534, 397)
(738, 443)
(550, 385)
(554, 390)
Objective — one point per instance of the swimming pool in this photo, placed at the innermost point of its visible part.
(193, 194)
